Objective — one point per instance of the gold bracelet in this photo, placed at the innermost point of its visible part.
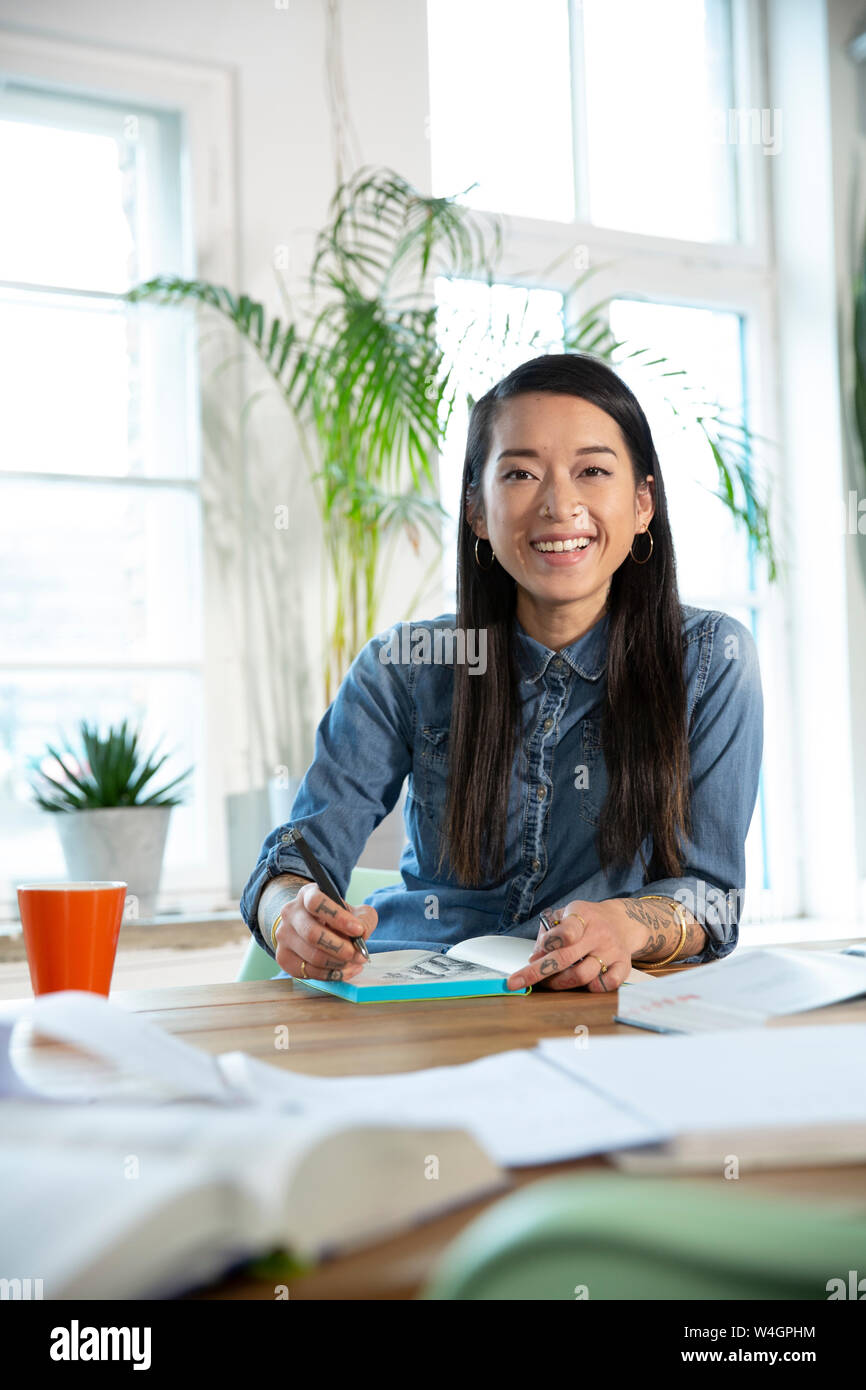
(681, 915)
(277, 920)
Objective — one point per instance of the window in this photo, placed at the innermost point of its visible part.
(645, 179)
(657, 78)
(100, 530)
(615, 112)
(500, 105)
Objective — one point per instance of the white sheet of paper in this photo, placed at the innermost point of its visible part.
(682, 1012)
(750, 1077)
(778, 980)
(131, 1045)
(519, 1108)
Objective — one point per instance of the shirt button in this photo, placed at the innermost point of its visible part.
(541, 793)
(536, 863)
(514, 916)
(285, 838)
(548, 723)
(558, 662)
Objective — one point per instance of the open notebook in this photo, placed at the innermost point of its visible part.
(480, 965)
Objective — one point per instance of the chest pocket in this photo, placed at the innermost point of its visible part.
(592, 796)
(430, 769)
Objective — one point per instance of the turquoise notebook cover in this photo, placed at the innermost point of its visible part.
(376, 994)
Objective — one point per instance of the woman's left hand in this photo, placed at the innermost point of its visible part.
(584, 937)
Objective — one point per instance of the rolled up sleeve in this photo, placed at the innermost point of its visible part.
(363, 754)
(725, 748)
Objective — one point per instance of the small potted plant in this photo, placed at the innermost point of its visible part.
(112, 825)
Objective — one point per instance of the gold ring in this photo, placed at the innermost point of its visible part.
(580, 919)
(600, 961)
(303, 974)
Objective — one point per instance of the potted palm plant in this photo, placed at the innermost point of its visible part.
(112, 825)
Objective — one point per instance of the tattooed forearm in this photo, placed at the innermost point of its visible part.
(277, 894)
(661, 917)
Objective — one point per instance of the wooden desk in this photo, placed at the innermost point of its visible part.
(328, 1037)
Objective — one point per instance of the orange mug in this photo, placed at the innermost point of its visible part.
(70, 934)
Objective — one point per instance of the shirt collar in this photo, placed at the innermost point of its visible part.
(587, 656)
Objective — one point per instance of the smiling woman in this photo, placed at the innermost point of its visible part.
(589, 469)
(592, 786)
(561, 529)
(589, 494)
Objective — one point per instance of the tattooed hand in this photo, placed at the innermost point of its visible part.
(583, 936)
(316, 931)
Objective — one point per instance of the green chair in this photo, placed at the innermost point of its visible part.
(618, 1236)
(258, 965)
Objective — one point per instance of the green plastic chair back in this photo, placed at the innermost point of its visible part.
(618, 1236)
(258, 965)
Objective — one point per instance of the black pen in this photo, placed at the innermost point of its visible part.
(324, 882)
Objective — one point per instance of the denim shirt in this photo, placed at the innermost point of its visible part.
(390, 720)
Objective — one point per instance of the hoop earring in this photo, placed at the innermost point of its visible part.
(478, 562)
(649, 533)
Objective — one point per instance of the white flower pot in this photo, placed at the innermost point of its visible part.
(122, 842)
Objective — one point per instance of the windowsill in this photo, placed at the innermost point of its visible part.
(176, 931)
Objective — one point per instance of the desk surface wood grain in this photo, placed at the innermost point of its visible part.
(330, 1037)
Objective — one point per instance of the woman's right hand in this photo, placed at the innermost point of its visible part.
(316, 931)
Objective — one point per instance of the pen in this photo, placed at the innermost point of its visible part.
(324, 882)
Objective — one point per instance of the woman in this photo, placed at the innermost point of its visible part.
(599, 764)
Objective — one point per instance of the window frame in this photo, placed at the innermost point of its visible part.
(203, 98)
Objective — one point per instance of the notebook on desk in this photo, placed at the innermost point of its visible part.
(480, 965)
(746, 989)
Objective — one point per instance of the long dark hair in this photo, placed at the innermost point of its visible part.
(643, 729)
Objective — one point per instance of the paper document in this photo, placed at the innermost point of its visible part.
(752, 1077)
(133, 1047)
(744, 990)
(520, 1109)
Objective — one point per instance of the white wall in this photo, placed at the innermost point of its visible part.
(277, 56)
